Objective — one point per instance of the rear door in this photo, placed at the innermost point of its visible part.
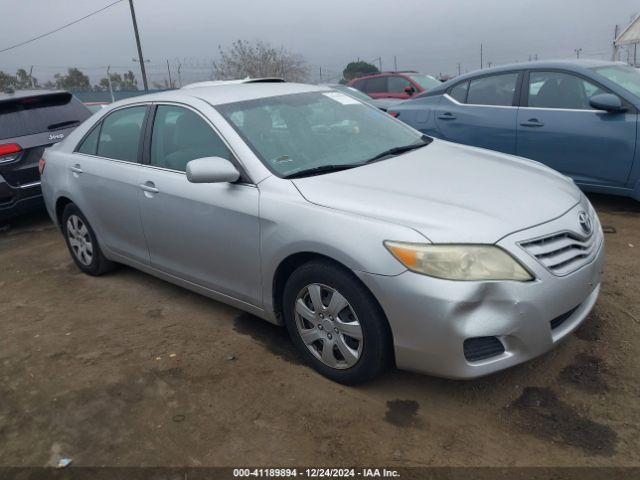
(558, 127)
(103, 180)
(207, 234)
(27, 126)
(481, 112)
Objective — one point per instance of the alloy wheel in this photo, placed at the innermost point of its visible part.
(80, 240)
(328, 326)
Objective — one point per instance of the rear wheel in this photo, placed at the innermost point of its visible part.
(335, 323)
(82, 243)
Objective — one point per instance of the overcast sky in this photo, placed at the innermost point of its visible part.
(427, 35)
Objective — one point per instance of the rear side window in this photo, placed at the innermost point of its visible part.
(360, 85)
(376, 85)
(120, 134)
(90, 144)
(459, 92)
(493, 90)
(42, 113)
(181, 135)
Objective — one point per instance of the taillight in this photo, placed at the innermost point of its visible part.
(9, 152)
(394, 114)
(41, 164)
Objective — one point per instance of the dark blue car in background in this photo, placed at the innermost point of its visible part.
(579, 117)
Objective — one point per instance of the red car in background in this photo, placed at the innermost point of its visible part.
(398, 85)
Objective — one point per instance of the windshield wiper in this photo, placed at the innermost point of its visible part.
(308, 172)
(398, 150)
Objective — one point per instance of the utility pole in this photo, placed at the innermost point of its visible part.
(320, 74)
(578, 52)
(481, 59)
(179, 76)
(140, 57)
(31, 77)
(395, 63)
(113, 99)
(169, 70)
(459, 69)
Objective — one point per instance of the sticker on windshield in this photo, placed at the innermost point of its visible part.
(342, 98)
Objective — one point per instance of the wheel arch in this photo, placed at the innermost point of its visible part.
(61, 204)
(289, 264)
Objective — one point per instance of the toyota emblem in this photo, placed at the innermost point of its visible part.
(585, 222)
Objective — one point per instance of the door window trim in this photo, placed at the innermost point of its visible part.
(524, 95)
(245, 179)
(99, 124)
(516, 94)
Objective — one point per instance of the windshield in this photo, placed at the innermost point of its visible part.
(627, 77)
(292, 133)
(425, 81)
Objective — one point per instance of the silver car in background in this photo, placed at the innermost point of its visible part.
(373, 244)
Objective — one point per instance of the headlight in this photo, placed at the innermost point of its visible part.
(459, 262)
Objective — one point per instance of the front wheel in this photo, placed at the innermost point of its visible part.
(335, 323)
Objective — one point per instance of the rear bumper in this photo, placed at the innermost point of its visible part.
(18, 200)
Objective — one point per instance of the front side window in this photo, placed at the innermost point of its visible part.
(298, 132)
(625, 76)
(494, 90)
(120, 134)
(180, 135)
(398, 84)
(560, 90)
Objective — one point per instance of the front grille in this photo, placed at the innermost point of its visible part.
(560, 319)
(480, 348)
(565, 252)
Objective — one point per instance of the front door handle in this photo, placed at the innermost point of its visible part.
(447, 116)
(149, 187)
(76, 169)
(532, 122)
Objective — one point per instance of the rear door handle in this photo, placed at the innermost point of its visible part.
(532, 122)
(447, 116)
(149, 187)
(76, 169)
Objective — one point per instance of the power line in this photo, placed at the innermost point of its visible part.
(58, 29)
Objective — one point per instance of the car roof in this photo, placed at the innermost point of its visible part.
(576, 65)
(227, 93)
(17, 94)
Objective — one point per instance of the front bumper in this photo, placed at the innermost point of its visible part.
(431, 318)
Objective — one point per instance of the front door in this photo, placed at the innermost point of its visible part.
(207, 234)
(558, 127)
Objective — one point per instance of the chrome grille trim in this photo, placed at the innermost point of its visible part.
(564, 252)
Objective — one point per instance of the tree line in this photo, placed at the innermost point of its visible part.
(239, 60)
(73, 80)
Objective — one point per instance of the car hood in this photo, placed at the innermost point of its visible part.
(448, 192)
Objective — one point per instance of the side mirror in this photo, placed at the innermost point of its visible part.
(608, 102)
(409, 90)
(211, 170)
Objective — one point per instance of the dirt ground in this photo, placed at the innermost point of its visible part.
(129, 370)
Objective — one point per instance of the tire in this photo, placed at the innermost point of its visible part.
(327, 335)
(82, 243)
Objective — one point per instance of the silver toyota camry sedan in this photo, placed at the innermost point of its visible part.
(373, 244)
